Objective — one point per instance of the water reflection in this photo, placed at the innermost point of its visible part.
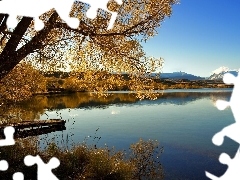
(184, 122)
(38, 105)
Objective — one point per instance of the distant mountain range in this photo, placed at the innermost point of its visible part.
(180, 75)
(218, 73)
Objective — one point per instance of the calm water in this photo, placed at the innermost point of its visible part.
(183, 121)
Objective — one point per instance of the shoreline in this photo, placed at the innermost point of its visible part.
(129, 91)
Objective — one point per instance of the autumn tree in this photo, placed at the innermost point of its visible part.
(137, 21)
(21, 83)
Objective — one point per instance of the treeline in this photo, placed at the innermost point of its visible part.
(187, 84)
(104, 81)
(25, 80)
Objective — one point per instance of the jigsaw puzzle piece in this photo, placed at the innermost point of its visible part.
(12, 21)
(221, 104)
(44, 170)
(232, 131)
(18, 176)
(211, 176)
(112, 20)
(9, 136)
(92, 13)
(235, 98)
(38, 24)
(35, 8)
(233, 167)
(3, 165)
(101, 4)
(63, 8)
(5, 9)
(229, 78)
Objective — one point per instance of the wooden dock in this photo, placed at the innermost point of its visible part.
(34, 128)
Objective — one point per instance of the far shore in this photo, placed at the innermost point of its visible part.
(128, 91)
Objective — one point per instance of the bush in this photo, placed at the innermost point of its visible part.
(145, 157)
(21, 83)
(86, 162)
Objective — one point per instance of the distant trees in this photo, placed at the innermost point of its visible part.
(90, 80)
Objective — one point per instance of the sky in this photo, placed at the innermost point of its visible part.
(199, 37)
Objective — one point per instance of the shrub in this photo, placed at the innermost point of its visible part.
(21, 83)
(86, 162)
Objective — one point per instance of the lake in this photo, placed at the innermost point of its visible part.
(183, 121)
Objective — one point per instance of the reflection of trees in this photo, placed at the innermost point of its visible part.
(24, 111)
(87, 100)
(36, 106)
(182, 98)
(33, 108)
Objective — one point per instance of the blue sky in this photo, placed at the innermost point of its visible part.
(199, 37)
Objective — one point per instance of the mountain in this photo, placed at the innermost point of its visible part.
(218, 73)
(180, 75)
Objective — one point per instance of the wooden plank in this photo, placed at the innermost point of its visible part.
(34, 132)
(34, 124)
(34, 128)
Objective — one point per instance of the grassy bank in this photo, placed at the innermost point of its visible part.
(87, 162)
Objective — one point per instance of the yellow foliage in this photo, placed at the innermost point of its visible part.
(21, 83)
(89, 47)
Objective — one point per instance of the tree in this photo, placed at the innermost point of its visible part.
(136, 22)
(21, 82)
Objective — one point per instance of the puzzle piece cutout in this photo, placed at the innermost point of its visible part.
(3, 165)
(18, 176)
(235, 98)
(232, 131)
(232, 172)
(9, 140)
(9, 136)
(44, 170)
(35, 8)
(101, 4)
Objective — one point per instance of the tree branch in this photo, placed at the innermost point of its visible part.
(37, 42)
(8, 59)
(3, 20)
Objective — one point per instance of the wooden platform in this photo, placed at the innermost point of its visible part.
(34, 128)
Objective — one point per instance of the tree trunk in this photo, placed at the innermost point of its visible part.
(8, 57)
